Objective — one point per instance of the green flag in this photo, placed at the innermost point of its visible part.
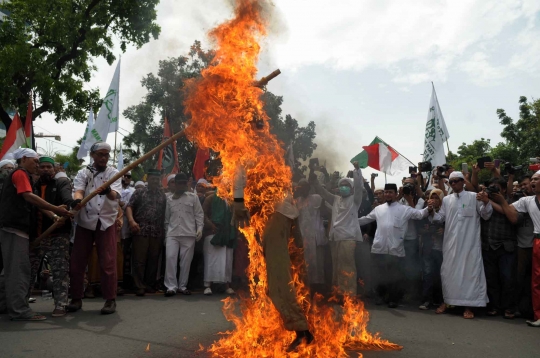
(362, 158)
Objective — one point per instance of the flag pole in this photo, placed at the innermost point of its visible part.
(395, 150)
(385, 182)
(114, 154)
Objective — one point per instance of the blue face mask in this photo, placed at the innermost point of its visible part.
(344, 190)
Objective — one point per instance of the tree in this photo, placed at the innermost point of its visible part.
(74, 164)
(47, 48)
(165, 97)
(522, 136)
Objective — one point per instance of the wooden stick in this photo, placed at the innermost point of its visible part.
(264, 81)
(119, 175)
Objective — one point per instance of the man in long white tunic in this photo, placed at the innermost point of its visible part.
(462, 271)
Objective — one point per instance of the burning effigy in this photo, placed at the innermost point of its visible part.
(227, 116)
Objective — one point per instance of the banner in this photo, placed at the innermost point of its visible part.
(84, 148)
(107, 119)
(436, 133)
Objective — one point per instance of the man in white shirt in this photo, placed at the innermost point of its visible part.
(462, 271)
(531, 205)
(184, 221)
(96, 223)
(388, 250)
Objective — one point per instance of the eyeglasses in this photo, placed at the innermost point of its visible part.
(102, 155)
(127, 176)
(454, 181)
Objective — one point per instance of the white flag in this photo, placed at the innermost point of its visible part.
(120, 164)
(83, 149)
(107, 119)
(436, 133)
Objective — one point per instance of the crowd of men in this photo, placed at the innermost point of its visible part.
(446, 240)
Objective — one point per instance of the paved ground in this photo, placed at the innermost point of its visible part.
(175, 326)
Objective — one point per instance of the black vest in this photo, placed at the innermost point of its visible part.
(14, 210)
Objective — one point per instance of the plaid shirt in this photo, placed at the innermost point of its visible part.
(497, 231)
(149, 211)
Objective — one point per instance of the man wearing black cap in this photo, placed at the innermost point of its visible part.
(184, 221)
(388, 250)
(146, 216)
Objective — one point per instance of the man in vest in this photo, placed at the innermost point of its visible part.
(15, 207)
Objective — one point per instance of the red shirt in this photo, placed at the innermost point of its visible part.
(21, 182)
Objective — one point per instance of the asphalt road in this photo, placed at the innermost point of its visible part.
(174, 327)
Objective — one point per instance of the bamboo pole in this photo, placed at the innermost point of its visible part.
(119, 175)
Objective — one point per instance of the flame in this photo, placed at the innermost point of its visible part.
(147, 348)
(222, 103)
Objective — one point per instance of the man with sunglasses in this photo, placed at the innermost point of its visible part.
(95, 223)
(462, 271)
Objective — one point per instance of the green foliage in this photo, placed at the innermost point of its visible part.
(47, 48)
(74, 164)
(165, 97)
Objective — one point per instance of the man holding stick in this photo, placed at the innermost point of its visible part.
(15, 207)
(95, 222)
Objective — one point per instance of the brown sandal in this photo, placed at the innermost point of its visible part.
(441, 309)
(492, 313)
(468, 314)
(509, 314)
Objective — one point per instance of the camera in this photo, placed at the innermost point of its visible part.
(493, 189)
(374, 175)
(408, 189)
(425, 167)
(518, 195)
(442, 170)
(511, 169)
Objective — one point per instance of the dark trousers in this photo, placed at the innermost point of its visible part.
(106, 248)
(388, 276)
(413, 267)
(145, 251)
(500, 270)
(524, 270)
(431, 273)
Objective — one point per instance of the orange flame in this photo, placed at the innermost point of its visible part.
(222, 104)
(147, 348)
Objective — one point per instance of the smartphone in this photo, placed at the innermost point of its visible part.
(413, 170)
(464, 168)
(497, 163)
(481, 161)
(374, 174)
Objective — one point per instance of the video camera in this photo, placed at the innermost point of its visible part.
(442, 170)
(425, 167)
(512, 169)
(493, 189)
(518, 194)
(408, 189)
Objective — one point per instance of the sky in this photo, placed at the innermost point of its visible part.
(361, 69)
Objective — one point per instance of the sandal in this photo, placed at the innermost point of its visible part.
(509, 314)
(493, 312)
(185, 292)
(35, 317)
(441, 309)
(468, 314)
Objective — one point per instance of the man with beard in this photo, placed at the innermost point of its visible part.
(96, 223)
(55, 245)
(15, 208)
(388, 250)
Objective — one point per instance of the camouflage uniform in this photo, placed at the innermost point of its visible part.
(56, 247)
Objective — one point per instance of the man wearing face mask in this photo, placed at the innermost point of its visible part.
(55, 245)
(344, 229)
(388, 250)
(96, 223)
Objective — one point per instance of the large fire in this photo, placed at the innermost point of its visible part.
(222, 104)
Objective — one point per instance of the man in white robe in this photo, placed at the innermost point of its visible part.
(312, 230)
(462, 271)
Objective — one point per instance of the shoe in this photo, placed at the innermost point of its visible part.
(74, 305)
(301, 336)
(392, 305)
(230, 291)
(170, 293)
(32, 300)
(424, 306)
(534, 323)
(208, 291)
(109, 307)
(59, 311)
(140, 292)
